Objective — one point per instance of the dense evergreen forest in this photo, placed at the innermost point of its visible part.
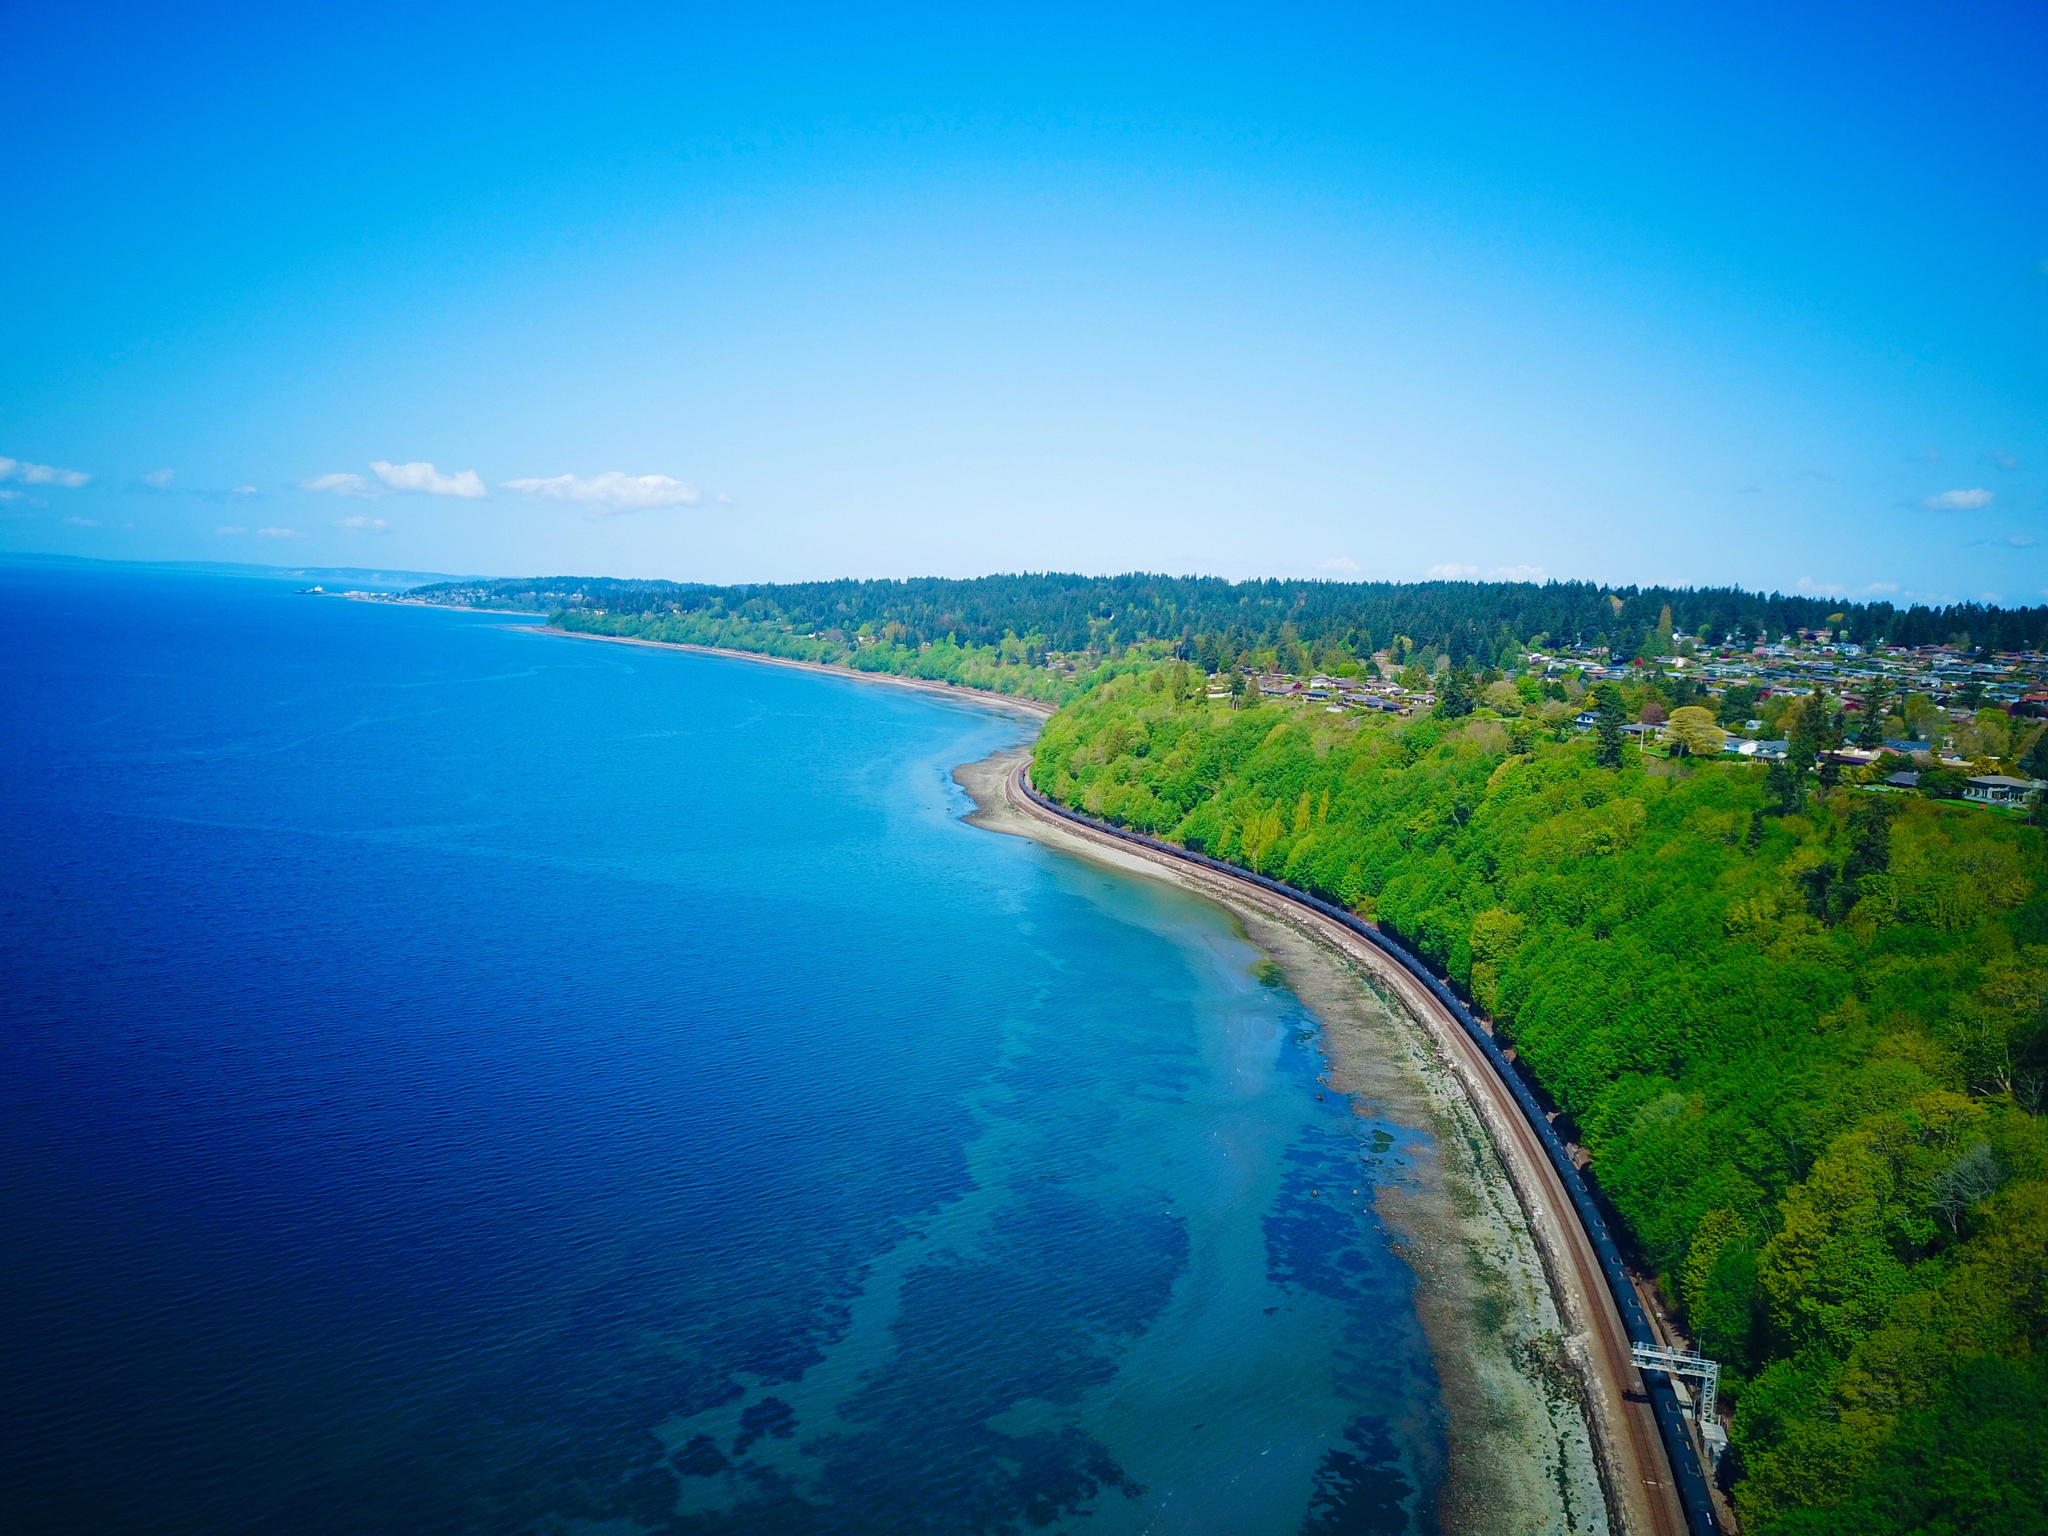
(1471, 622)
(1800, 1031)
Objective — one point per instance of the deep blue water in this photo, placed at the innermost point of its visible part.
(458, 1079)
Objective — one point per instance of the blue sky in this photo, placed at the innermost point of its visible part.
(1712, 295)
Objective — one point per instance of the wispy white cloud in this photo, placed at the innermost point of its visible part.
(229, 528)
(83, 522)
(1814, 588)
(368, 524)
(339, 485)
(279, 533)
(1960, 501)
(612, 491)
(41, 474)
(162, 482)
(421, 476)
(2005, 460)
(2020, 540)
(1451, 572)
(1340, 565)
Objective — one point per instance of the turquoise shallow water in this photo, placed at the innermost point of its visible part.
(458, 1079)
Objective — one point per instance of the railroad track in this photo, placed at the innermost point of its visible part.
(1656, 1486)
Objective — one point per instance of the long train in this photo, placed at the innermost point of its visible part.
(1690, 1479)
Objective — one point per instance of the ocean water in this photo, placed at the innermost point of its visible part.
(460, 1079)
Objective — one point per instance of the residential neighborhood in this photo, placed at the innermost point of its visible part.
(1966, 717)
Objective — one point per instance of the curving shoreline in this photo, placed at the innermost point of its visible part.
(1633, 1468)
(1037, 709)
(1496, 1229)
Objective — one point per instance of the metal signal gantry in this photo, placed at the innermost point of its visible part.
(1653, 1357)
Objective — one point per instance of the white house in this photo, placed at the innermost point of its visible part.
(1764, 751)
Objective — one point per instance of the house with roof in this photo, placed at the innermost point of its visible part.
(2001, 789)
(1761, 751)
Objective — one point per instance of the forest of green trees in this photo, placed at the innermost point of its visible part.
(1471, 622)
(1000, 668)
(1799, 1030)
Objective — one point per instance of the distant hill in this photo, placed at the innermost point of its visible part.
(1467, 620)
(381, 577)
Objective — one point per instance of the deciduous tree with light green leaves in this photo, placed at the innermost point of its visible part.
(1693, 732)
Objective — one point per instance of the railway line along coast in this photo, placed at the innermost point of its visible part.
(1649, 1463)
(1651, 1469)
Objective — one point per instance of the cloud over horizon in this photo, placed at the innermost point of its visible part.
(161, 482)
(422, 476)
(1960, 501)
(612, 491)
(339, 485)
(41, 474)
(1875, 589)
(417, 476)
